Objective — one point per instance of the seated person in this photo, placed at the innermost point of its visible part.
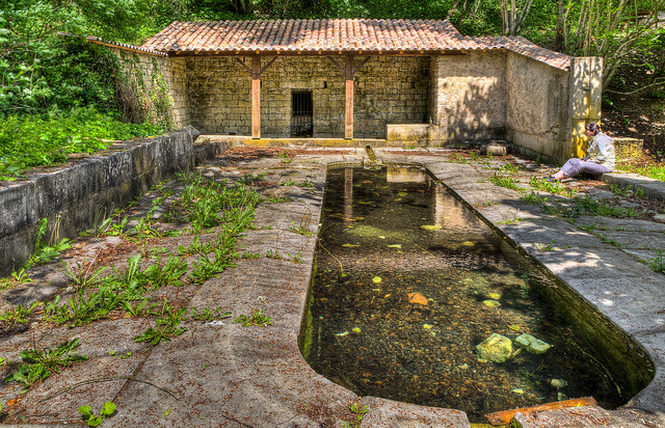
(600, 156)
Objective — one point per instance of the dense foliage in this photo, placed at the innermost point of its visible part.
(34, 140)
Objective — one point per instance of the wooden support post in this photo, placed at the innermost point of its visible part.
(348, 115)
(256, 97)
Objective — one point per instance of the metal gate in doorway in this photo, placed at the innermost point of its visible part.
(302, 114)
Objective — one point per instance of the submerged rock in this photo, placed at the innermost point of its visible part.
(417, 298)
(532, 344)
(496, 348)
(559, 383)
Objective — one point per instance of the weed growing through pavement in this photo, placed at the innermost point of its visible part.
(534, 199)
(544, 247)
(279, 199)
(359, 413)
(627, 192)
(217, 258)
(208, 315)
(610, 241)
(40, 364)
(17, 315)
(161, 273)
(556, 188)
(257, 316)
(484, 204)
(507, 182)
(303, 227)
(297, 259)
(107, 411)
(285, 157)
(658, 263)
(515, 220)
(588, 206)
(273, 254)
(168, 326)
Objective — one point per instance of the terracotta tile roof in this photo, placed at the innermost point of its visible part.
(524, 47)
(334, 35)
(124, 46)
(312, 35)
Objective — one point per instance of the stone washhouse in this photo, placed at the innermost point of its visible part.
(413, 82)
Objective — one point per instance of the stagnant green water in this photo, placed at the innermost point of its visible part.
(390, 233)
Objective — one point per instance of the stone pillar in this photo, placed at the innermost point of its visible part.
(585, 98)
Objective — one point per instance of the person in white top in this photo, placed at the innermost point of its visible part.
(600, 156)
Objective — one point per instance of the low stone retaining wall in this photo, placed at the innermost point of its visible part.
(73, 197)
(627, 148)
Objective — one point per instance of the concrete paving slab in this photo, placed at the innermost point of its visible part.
(609, 223)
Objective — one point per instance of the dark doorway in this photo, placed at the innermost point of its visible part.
(301, 114)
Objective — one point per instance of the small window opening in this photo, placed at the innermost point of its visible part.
(302, 114)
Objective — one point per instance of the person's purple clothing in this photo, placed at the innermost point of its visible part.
(574, 166)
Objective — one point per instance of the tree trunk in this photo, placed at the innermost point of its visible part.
(558, 43)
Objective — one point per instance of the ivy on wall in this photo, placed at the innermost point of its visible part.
(143, 92)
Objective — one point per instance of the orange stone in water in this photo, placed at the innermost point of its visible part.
(417, 298)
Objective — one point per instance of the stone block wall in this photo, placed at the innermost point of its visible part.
(390, 90)
(154, 67)
(92, 188)
(219, 95)
(537, 104)
(548, 107)
(468, 96)
(387, 90)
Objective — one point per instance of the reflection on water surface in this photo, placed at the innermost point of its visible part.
(409, 282)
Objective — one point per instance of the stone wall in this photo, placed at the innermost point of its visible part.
(152, 69)
(537, 107)
(387, 90)
(90, 189)
(548, 107)
(468, 98)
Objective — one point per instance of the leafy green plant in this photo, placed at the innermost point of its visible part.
(256, 317)
(45, 252)
(21, 275)
(140, 308)
(507, 182)
(83, 308)
(556, 188)
(588, 206)
(658, 263)
(534, 199)
(285, 157)
(544, 247)
(40, 364)
(216, 260)
(167, 326)
(248, 255)
(159, 275)
(107, 411)
(273, 254)
(17, 315)
(83, 276)
(208, 315)
(359, 413)
(279, 199)
(291, 182)
(297, 258)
